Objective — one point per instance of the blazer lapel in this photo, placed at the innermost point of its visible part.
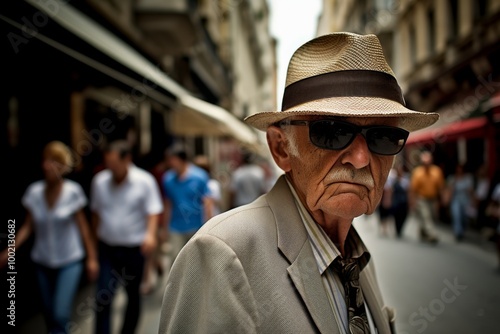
(293, 243)
(304, 274)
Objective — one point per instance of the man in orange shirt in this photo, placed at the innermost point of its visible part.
(427, 182)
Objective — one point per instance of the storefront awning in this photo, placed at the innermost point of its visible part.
(217, 120)
(191, 109)
(469, 128)
(194, 117)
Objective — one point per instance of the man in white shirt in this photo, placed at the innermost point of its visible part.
(126, 204)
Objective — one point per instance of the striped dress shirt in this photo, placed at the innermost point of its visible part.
(325, 252)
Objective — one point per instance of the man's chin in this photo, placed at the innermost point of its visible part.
(349, 205)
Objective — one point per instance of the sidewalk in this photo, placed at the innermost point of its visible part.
(472, 237)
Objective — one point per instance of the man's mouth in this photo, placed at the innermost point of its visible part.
(359, 177)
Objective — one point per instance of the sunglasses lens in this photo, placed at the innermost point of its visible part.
(331, 135)
(334, 135)
(385, 140)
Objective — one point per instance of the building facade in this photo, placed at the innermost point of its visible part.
(445, 54)
(449, 65)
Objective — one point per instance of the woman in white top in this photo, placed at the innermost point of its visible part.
(55, 214)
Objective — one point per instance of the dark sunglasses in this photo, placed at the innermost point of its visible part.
(337, 135)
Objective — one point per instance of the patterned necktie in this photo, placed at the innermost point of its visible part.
(348, 269)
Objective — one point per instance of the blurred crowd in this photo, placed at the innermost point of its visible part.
(463, 199)
(117, 233)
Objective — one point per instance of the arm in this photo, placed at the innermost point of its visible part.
(412, 195)
(95, 221)
(208, 207)
(92, 264)
(208, 288)
(149, 243)
(167, 213)
(446, 192)
(167, 206)
(21, 236)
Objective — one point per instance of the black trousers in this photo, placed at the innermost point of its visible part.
(119, 266)
(400, 213)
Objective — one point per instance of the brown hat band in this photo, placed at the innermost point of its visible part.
(364, 83)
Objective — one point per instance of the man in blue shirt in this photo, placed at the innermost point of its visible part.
(187, 199)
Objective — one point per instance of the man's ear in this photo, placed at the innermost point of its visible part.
(277, 143)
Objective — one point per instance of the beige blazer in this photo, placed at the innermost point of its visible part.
(252, 270)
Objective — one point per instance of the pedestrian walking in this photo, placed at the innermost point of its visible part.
(480, 198)
(126, 204)
(188, 204)
(400, 203)
(248, 181)
(63, 244)
(384, 208)
(493, 212)
(291, 261)
(461, 189)
(426, 189)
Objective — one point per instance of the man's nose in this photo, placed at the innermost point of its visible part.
(357, 153)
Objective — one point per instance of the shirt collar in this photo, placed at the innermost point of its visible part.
(325, 251)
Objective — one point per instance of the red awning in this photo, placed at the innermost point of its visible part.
(469, 128)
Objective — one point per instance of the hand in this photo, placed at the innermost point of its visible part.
(163, 235)
(148, 245)
(92, 268)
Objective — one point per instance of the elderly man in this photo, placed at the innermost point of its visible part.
(291, 262)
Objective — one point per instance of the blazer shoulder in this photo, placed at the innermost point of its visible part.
(241, 221)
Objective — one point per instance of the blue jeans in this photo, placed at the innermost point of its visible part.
(58, 288)
(119, 266)
(459, 215)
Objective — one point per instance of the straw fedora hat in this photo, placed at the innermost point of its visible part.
(346, 75)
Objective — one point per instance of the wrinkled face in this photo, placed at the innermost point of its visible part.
(344, 183)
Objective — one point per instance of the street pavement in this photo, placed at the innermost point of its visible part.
(445, 288)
